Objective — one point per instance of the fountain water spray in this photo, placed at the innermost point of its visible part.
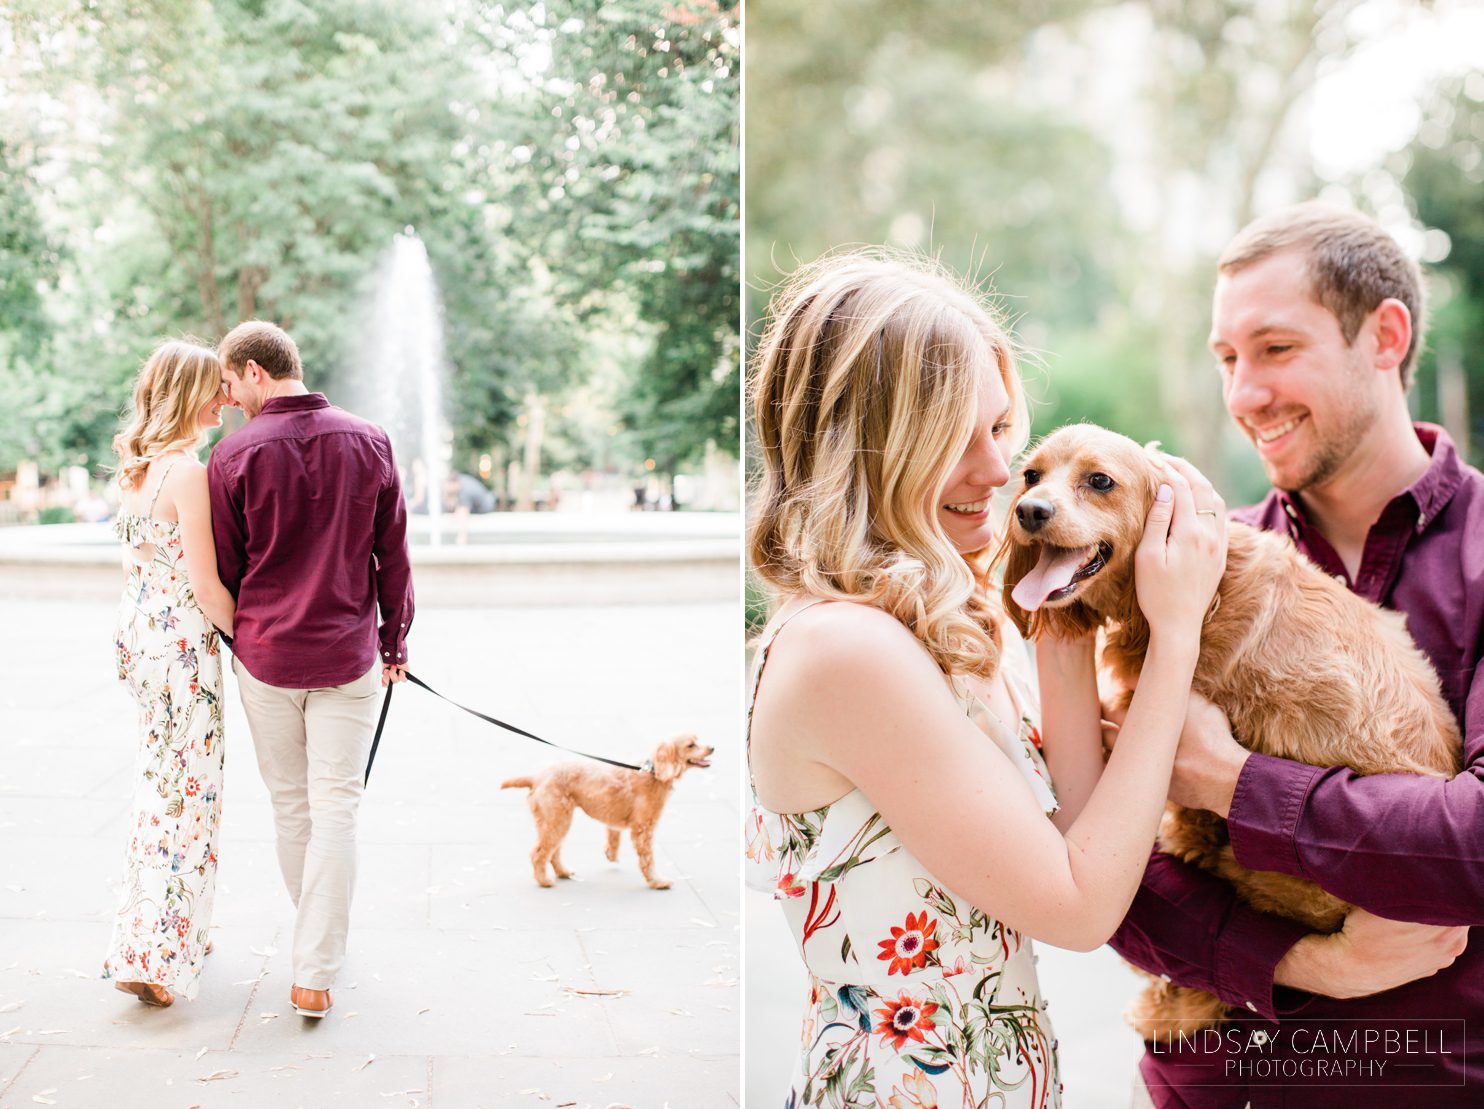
(402, 370)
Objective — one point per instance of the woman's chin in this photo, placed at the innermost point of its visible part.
(970, 535)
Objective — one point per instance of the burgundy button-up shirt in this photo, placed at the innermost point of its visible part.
(1402, 846)
(311, 538)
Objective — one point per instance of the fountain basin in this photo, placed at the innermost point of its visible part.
(509, 559)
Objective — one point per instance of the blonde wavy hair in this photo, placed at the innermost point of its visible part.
(865, 392)
(176, 382)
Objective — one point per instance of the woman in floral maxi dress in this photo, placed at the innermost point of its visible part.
(168, 653)
(902, 812)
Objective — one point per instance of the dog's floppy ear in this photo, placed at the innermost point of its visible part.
(667, 764)
(1154, 473)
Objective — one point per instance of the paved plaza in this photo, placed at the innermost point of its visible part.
(466, 985)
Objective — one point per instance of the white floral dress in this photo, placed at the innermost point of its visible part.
(169, 654)
(916, 998)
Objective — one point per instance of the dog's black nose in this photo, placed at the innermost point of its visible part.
(1033, 512)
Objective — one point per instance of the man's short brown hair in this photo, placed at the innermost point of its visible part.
(1353, 265)
(262, 342)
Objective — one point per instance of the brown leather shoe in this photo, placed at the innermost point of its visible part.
(310, 1003)
(148, 992)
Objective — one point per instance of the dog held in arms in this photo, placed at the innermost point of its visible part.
(1304, 669)
(611, 795)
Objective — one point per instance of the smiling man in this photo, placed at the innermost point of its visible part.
(1317, 323)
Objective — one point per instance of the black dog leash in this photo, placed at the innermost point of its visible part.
(415, 680)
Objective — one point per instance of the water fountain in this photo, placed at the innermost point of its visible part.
(399, 375)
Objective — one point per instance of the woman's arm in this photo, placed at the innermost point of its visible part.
(186, 485)
(854, 690)
(1071, 728)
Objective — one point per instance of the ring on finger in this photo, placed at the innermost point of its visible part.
(1206, 512)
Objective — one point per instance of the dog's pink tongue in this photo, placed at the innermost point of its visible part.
(1054, 571)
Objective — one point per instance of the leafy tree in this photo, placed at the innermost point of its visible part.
(1443, 173)
(634, 185)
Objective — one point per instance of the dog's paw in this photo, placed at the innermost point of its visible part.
(659, 883)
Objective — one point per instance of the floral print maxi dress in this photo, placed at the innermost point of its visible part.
(168, 653)
(916, 998)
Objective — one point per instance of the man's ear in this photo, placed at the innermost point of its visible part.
(1392, 322)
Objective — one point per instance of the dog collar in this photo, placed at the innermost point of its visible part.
(647, 767)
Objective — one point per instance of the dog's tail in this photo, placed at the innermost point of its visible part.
(517, 783)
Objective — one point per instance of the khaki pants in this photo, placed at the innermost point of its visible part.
(312, 746)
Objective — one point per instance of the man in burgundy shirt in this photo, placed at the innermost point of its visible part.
(311, 537)
(1317, 323)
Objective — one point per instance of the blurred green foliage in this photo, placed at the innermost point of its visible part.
(207, 161)
(1090, 160)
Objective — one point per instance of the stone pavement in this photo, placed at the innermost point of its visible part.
(466, 985)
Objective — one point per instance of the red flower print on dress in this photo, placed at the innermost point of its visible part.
(192, 787)
(904, 1019)
(787, 887)
(909, 947)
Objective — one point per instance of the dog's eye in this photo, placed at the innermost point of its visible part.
(1031, 477)
(1101, 482)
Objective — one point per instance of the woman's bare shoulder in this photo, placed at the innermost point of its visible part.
(846, 638)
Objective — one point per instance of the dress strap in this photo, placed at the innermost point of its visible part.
(761, 660)
(768, 642)
(150, 511)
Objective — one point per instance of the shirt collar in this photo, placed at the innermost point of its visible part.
(305, 403)
(1430, 492)
(1433, 490)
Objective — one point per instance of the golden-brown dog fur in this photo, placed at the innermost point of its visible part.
(1304, 669)
(611, 795)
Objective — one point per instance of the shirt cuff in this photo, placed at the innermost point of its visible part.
(1247, 955)
(1265, 812)
(393, 645)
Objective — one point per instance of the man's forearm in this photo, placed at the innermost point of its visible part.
(1400, 845)
(1191, 928)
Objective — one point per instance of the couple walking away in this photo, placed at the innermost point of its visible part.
(920, 832)
(287, 543)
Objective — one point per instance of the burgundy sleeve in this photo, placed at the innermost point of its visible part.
(1399, 845)
(228, 526)
(393, 567)
(1191, 928)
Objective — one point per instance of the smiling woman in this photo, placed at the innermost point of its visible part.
(888, 407)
